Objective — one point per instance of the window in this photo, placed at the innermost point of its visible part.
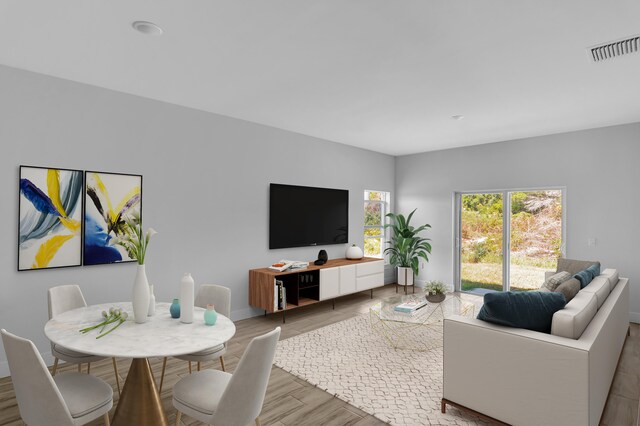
(376, 206)
(506, 240)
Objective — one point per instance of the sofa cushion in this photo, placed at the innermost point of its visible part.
(532, 310)
(555, 280)
(573, 266)
(600, 287)
(612, 276)
(569, 288)
(575, 317)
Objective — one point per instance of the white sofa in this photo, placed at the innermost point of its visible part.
(525, 377)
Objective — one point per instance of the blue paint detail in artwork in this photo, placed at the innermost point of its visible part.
(97, 250)
(39, 199)
(35, 224)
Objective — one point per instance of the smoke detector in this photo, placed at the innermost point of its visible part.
(614, 49)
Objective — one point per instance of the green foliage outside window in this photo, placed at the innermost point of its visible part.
(372, 214)
(536, 237)
(374, 210)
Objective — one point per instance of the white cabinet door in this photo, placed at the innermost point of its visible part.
(370, 268)
(329, 283)
(370, 281)
(369, 275)
(347, 279)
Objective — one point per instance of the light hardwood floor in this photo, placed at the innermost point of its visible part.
(292, 401)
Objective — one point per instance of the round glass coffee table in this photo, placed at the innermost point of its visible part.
(418, 330)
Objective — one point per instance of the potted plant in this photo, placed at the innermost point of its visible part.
(406, 247)
(435, 291)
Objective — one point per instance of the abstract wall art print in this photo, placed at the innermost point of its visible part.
(111, 199)
(50, 218)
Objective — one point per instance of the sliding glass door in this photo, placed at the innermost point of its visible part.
(535, 237)
(498, 251)
(481, 238)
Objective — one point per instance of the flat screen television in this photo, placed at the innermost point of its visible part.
(302, 216)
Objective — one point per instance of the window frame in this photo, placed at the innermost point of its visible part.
(384, 210)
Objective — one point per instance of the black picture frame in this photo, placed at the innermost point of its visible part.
(50, 218)
(107, 198)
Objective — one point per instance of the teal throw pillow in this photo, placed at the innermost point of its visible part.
(587, 275)
(594, 269)
(532, 310)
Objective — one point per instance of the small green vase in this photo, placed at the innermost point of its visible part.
(210, 315)
(174, 309)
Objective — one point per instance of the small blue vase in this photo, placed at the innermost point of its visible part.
(174, 309)
(210, 315)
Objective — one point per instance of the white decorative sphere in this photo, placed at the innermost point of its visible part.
(354, 252)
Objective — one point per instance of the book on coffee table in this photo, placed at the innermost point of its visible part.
(410, 306)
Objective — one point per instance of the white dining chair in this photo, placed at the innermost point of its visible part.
(219, 398)
(67, 399)
(61, 299)
(220, 297)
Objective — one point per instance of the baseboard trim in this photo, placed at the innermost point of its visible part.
(245, 313)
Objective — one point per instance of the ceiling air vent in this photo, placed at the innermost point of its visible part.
(616, 48)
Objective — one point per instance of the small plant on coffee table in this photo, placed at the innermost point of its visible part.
(435, 291)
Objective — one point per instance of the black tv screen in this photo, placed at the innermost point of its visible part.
(304, 216)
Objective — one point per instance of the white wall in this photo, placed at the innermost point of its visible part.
(206, 182)
(600, 169)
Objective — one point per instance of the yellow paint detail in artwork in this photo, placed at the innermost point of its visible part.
(105, 196)
(71, 224)
(53, 187)
(48, 250)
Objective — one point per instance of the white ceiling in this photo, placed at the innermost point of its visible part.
(385, 75)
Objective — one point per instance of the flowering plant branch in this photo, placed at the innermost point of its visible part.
(114, 315)
(134, 240)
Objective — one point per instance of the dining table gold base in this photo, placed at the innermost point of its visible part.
(139, 402)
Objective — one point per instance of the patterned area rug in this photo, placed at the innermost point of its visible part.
(349, 360)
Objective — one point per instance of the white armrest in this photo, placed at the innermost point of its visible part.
(517, 376)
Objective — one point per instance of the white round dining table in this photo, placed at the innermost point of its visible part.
(160, 336)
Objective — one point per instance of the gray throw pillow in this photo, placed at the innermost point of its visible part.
(555, 280)
(569, 288)
(573, 266)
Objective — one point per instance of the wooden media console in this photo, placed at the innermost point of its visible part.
(337, 277)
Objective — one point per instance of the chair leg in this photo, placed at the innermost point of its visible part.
(88, 368)
(198, 365)
(257, 421)
(178, 417)
(189, 367)
(164, 367)
(106, 419)
(55, 367)
(222, 363)
(115, 371)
